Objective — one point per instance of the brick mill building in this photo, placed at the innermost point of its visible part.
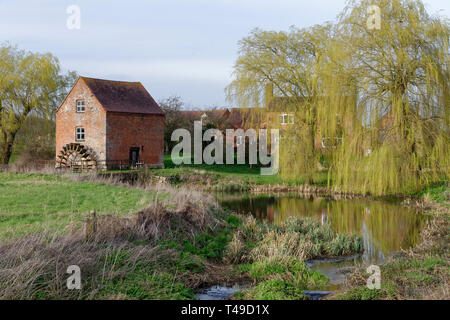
(109, 124)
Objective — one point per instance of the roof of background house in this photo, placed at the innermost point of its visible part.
(246, 117)
(122, 96)
(197, 114)
(232, 118)
(281, 104)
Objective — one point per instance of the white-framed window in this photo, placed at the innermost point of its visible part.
(80, 106)
(79, 134)
(327, 144)
(240, 140)
(287, 118)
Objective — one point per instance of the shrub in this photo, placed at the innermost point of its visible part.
(299, 238)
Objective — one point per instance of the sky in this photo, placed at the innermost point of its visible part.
(174, 47)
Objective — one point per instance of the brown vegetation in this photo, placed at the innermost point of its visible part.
(34, 266)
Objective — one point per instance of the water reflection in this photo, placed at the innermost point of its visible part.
(386, 227)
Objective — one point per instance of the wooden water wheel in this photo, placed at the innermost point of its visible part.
(76, 156)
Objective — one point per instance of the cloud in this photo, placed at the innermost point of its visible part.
(177, 46)
(212, 70)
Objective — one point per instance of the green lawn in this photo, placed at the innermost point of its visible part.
(438, 192)
(236, 173)
(35, 202)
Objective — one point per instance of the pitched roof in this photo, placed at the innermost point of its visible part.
(121, 96)
(283, 104)
(192, 115)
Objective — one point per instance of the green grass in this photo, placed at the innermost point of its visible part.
(118, 276)
(209, 245)
(171, 265)
(115, 266)
(364, 293)
(273, 289)
(34, 202)
(439, 192)
(220, 171)
(234, 177)
(141, 281)
(302, 275)
(273, 256)
(144, 286)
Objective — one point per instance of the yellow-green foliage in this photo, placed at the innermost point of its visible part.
(379, 97)
(30, 83)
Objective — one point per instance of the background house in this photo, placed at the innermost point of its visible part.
(223, 119)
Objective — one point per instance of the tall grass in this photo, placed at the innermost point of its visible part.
(123, 259)
(297, 238)
(34, 200)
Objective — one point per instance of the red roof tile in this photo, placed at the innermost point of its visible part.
(121, 96)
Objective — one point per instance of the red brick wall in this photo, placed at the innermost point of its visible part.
(125, 130)
(93, 120)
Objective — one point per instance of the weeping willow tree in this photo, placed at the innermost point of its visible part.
(378, 97)
(396, 137)
(286, 63)
(31, 84)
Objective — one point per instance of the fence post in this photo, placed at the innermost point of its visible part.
(91, 225)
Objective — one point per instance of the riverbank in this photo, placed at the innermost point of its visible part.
(221, 177)
(236, 178)
(419, 273)
(208, 181)
(179, 242)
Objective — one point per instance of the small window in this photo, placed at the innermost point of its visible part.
(79, 134)
(80, 106)
(287, 118)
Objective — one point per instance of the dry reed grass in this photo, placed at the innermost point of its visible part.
(34, 266)
(301, 239)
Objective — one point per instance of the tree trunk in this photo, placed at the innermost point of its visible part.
(6, 148)
(311, 166)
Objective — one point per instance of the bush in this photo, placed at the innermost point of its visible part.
(302, 239)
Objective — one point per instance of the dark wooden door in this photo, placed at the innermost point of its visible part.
(134, 156)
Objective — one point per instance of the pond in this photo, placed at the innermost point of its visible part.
(386, 226)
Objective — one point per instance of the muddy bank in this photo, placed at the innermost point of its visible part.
(303, 189)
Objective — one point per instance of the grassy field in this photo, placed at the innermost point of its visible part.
(171, 248)
(227, 177)
(165, 251)
(36, 202)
